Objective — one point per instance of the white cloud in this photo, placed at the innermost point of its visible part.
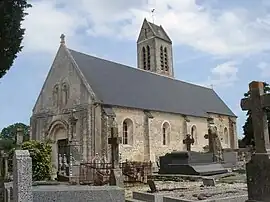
(223, 75)
(218, 32)
(45, 24)
(265, 69)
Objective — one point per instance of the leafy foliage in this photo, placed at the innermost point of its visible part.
(12, 13)
(9, 133)
(248, 127)
(41, 159)
(7, 144)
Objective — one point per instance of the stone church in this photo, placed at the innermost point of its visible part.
(83, 97)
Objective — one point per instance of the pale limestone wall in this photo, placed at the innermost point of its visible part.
(46, 115)
(135, 150)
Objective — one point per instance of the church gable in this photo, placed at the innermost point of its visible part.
(150, 30)
(146, 31)
(160, 32)
(63, 86)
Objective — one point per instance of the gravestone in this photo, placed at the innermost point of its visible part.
(213, 141)
(22, 176)
(188, 142)
(258, 173)
(116, 177)
(152, 186)
(209, 182)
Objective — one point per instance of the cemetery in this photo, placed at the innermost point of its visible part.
(217, 175)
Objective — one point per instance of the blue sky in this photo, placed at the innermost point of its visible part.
(215, 42)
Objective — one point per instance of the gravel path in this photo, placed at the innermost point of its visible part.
(193, 190)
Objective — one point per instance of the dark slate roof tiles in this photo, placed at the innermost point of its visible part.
(119, 85)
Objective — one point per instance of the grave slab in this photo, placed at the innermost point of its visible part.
(78, 193)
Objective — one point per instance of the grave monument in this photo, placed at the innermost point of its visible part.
(258, 173)
(116, 177)
(194, 163)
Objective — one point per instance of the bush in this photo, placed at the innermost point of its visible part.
(41, 159)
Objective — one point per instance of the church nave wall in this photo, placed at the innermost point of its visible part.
(166, 133)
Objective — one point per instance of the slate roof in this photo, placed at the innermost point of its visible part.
(159, 31)
(119, 85)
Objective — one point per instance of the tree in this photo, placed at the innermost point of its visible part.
(9, 133)
(248, 127)
(40, 153)
(12, 13)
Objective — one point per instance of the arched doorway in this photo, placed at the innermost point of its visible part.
(58, 135)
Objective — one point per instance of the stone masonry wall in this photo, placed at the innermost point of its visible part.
(135, 149)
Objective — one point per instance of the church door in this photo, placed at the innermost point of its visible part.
(63, 157)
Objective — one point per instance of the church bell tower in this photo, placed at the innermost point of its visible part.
(154, 50)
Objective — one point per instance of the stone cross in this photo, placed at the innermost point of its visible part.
(114, 141)
(62, 37)
(257, 102)
(116, 177)
(188, 141)
(258, 175)
(19, 137)
(22, 176)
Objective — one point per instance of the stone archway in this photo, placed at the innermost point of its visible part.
(58, 134)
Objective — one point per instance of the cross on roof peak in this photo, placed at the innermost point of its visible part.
(62, 37)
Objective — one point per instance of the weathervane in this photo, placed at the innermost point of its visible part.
(153, 17)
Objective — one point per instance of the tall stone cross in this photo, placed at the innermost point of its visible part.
(257, 102)
(114, 141)
(211, 136)
(116, 177)
(258, 175)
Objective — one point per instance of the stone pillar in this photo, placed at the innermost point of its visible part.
(22, 176)
(54, 160)
(146, 139)
(148, 152)
(74, 151)
(6, 174)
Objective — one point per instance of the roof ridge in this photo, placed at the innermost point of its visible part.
(138, 69)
